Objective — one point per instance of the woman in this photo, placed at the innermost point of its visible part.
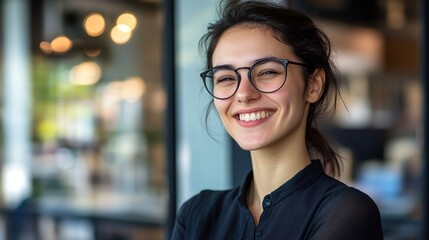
(270, 76)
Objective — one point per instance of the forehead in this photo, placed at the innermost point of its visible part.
(246, 43)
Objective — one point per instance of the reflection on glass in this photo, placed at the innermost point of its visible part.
(92, 52)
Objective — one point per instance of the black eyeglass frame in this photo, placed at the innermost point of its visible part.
(285, 62)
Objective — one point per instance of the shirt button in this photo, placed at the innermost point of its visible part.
(267, 202)
(258, 233)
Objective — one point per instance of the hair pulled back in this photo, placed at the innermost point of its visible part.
(308, 43)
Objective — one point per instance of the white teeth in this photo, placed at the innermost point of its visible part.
(254, 115)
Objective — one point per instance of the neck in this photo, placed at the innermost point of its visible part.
(269, 173)
(272, 171)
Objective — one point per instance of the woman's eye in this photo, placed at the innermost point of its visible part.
(225, 79)
(266, 73)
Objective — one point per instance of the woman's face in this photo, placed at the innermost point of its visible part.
(282, 114)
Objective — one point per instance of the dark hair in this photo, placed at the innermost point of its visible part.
(308, 43)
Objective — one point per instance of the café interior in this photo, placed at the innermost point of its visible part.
(101, 113)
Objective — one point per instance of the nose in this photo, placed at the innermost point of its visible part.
(246, 92)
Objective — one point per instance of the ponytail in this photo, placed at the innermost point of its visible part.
(321, 148)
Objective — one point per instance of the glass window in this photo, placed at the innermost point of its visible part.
(92, 107)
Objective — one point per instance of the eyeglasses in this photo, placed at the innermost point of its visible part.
(266, 75)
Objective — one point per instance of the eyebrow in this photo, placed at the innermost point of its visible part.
(224, 66)
(253, 62)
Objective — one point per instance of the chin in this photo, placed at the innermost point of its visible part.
(249, 146)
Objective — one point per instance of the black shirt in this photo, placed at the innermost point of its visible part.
(311, 205)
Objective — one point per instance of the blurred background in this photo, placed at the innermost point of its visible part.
(102, 114)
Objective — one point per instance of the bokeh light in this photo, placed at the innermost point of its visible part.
(118, 36)
(45, 47)
(133, 89)
(61, 44)
(127, 19)
(94, 24)
(86, 73)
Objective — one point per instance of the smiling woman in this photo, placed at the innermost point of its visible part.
(270, 75)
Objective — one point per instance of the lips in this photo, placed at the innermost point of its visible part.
(254, 116)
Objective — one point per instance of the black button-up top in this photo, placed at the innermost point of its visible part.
(311, 205)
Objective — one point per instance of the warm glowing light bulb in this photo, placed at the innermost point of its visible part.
(86, 73)
(94, 24)
(61, 44)
(127, 19)
(45, 47)
(124, 28)
(118, 36)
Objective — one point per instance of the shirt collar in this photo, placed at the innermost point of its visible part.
(301, 179)
(241, 198)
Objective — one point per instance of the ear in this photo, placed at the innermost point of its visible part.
(316, 85)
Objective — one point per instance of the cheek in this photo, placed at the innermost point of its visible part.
(290, 93)
(220, 107)
(292, 98)
(296, 89)
(295, 79)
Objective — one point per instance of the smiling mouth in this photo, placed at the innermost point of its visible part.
(247, 117)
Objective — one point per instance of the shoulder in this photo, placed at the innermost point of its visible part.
(348, 213)
(338, 194)
(211, 196)
(353, 201)
(335, 194)
(196, 215)
(205, 201)
(341, 199)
